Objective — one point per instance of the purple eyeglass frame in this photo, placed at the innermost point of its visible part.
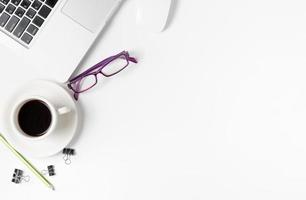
(97, 69)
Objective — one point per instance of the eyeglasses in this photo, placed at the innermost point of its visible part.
(107, 67)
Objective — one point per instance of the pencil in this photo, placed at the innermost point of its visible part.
(27, 163)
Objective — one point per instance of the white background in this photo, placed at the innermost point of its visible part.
(215, 109)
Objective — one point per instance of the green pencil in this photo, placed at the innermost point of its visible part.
(27, 163)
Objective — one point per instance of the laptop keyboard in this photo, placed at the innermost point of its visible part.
(22, 19)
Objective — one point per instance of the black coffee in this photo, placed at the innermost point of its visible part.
(34, 118)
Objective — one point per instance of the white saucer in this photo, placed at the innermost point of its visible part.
(62, 136)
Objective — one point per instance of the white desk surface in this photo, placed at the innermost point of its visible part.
(215, 109)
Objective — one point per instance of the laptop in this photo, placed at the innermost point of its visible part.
(53, 35)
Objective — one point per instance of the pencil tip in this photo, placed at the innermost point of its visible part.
(52, 187)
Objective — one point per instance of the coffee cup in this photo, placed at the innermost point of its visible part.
(35, 117)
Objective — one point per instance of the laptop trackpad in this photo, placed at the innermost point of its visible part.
(91, 14)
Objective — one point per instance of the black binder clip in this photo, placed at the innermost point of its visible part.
(18, 177)
(50, 171)
(67, 154)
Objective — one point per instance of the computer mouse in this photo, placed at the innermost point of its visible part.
(152, 15)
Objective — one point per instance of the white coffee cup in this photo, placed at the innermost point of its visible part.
(55, 112)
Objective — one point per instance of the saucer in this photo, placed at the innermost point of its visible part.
(67, 127)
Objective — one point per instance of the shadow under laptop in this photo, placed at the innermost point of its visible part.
(172, 13)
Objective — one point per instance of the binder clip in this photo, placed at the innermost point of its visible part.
(50, 171)
(67, 154)
(18, 177)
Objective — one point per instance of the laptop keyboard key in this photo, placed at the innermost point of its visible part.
(31, 13)
(5, 1)
(12, 23)
(51, 3)
(36, 4)
(27, 38)
(1, 7)
(21, 27)
(15, 2)
(3, 19)
(20, 12)
(25, 4)
(38, 21)
(32, 29)
(44, 11)
(10, 9)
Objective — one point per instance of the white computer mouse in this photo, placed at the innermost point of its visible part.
(152, 15)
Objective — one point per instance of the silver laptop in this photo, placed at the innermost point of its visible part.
(53, 34)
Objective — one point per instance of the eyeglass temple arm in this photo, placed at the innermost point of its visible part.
(132, 59)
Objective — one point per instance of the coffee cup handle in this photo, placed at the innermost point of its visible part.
(63, 110)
